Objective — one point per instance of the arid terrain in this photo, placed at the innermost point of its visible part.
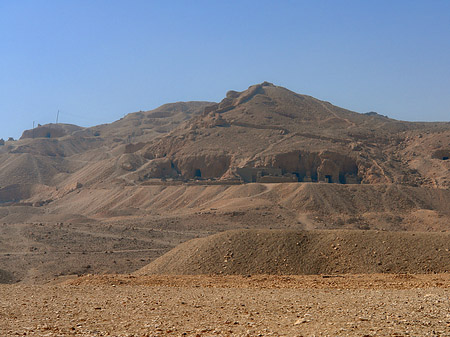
(269, 213)
(264, 305)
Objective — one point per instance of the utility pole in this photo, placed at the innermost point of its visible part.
(33, 129)
(57, 117)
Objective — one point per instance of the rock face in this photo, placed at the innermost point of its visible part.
(294, 166)
(323, 166)
(303, 166)
(234, 98)
(208, 166)
(159, 168)
(130, 161)
(133, 147)
(187, 167)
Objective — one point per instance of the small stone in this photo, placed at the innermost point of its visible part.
(301, 321)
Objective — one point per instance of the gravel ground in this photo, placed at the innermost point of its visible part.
(351, 305)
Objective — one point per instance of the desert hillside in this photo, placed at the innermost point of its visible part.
(266, 134)
(264, 158)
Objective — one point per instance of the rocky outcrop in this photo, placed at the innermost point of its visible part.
(292, 166)
(130, 161)
(234, 98)
(214, 120)
(69, 188)
(50, 131)
(328, 171)
(159, 168)
(208, 166)
(322, 166)
(203, 166)
(133, 147)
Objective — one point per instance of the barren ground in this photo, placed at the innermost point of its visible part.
(345, 305)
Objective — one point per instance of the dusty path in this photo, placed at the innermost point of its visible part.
(353, 305)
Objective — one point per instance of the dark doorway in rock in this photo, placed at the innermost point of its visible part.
(441, 154)
(198, 173)
(48, 135)
(328, 179)
(342, 178)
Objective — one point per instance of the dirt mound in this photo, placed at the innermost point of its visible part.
(307, 252)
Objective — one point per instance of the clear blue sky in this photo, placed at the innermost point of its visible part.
(97, 60)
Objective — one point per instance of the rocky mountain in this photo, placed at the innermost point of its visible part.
(263, 135)
(270, 134)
